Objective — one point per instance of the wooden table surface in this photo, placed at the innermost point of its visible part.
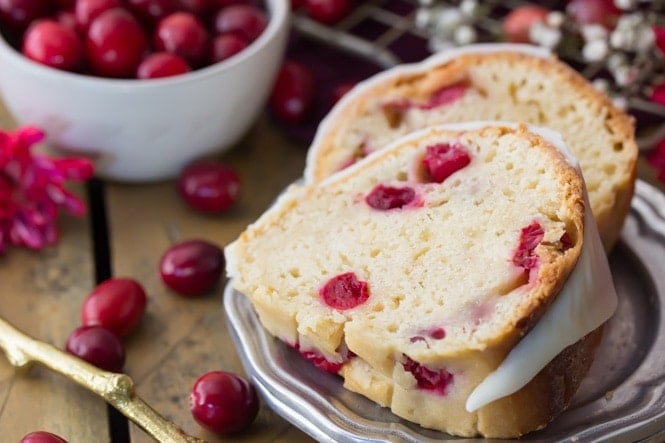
(178, 340)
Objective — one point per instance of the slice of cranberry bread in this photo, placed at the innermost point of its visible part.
(440, 277)
(489, 82)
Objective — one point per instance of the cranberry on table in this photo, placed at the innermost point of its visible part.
(209, 186)
(98, 346)
(117, 304)
(52, 44)
(192, 267)
(183, 34)
(115, 44)
(294, 92)
(223, 402)
(18, 14)
(245, 21)
(42, 437)
(86, 11)
(327, 11)
(161, 64)
(225, 46)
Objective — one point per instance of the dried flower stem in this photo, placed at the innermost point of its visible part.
(117, 389)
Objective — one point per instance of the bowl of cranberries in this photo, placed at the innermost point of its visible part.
(142, 87)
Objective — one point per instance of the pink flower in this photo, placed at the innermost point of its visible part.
(32, 190)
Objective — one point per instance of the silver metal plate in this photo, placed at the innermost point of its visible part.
(621, 399)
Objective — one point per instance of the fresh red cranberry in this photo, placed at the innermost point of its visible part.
(518, 22)
(225, 46)
(52, 44)
(245, 21)
(327, 11)
(602, 12)
(435, 381)
(98, 346)
(88, 10)
(18, 14)
(42, 437)
(192, 267)
(388, 197)
(209, 186)
(161, 64)
(344, 291)
(116, 304)
(67, 19)
(152, 11)
(293, 94)
(181, 33)
(223, 402)
(530, 237)
(115, 44)
(200, 8)
(219, 4)
(444, 159)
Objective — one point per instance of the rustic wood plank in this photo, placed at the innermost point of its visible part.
(181, 339)
(41, 295)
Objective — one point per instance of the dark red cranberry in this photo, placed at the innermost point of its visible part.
(327, 11)
(88, 10)
(225, 46)
(200, 8)
(436, 381)
(219, 4)
(318, 360)
(602, 12)
(152, 11)
(659, 38)
(42, 437)
(387, 197)
(181, 33)
(518, 22)
(293, 94)
(245, 21)
(444, 159)
(115, 44)
(223, 402)
(295, 4)
(98, 346)
(209, 186)
(161, 64)
(344, 291)
(192, 267)
(65, 5)
(18, 14)
(530, 237)
(52, 44)
(566, 241)
(117, 304)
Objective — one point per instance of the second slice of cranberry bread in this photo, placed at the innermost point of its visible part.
(422, 267)
(517, 83)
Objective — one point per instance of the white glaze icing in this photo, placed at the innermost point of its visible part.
(434, 60)
(587, 300)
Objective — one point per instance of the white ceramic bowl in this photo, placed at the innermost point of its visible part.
(139, 130)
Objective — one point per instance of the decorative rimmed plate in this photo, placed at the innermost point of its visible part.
(622, 398)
